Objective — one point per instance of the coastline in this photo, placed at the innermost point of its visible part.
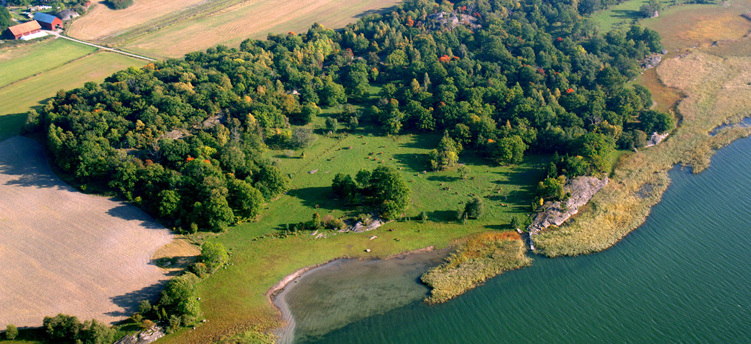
(276, 294)
(707, 79)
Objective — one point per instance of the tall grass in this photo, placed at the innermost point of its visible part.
(477, 259)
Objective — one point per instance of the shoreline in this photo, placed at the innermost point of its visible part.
(275, 294)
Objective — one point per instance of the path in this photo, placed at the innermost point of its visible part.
(101, 47)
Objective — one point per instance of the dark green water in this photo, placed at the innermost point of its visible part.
(683, 277)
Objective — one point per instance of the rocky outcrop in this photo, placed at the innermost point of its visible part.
(656, 139)
(143, 337)
(581, 190)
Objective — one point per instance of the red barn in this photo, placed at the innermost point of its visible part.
(25, 29)
(48, 21)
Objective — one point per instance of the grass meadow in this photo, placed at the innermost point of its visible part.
(25, 61)
(234, 299)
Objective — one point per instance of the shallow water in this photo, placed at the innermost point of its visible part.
(684, 276)
(348, 290)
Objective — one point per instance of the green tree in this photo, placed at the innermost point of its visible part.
(464, 171)
(389, 191)
(11, 332)
(214, 255)
(508, 150)
(245, 200)
(169, 203)
(474, 208)
(5, 19)
(332, 124)
(655, 121)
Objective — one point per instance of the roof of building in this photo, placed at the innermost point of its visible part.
(45, 18)
(26, 27)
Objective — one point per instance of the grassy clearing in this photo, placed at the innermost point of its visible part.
(690, 26)
(716, 89)
(230, 22)
(28, 60)
(234, 299)
(33, 91)
(618, 15)
(476, 260)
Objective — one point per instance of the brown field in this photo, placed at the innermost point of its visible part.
(174, 29)
(101, 22)
(67, 252)
(701, 25)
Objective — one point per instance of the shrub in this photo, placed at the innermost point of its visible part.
(11, 332)
(213, 255)
(119, 4)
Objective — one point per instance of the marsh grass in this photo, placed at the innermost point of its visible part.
(477, 259)
(716, 91)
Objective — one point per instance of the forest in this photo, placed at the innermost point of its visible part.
(184, 138)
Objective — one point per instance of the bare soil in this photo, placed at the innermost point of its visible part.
(63, 251)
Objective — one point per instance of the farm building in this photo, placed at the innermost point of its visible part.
(67, 14)
(25, 29)
(48, 21)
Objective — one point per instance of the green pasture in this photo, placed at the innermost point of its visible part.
(23, 62)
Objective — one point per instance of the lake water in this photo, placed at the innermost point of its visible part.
(683, 277)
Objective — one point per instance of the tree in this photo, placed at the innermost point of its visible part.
(245, 200)
(11, 332)
(169, 203)
(94, 332)
(61, 328)
(214, 255)
(389, 191)
(464, 171)
(332, 124)
(649, 10)
(655, 121)
(552, 188)
(5, 19)
(303, 137)
(343, 186)
(423, 217)
(179, 298)
(474, 208)
(447, 153)
(508, 150)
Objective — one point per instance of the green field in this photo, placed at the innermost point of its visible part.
(21, 96)
(235, 297)
(23, 62)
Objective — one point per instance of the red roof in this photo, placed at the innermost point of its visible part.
(25, 28)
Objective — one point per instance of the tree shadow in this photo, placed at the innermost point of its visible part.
(626, 14)
(442, 215)
(375, 11)
(318, 197)
(25, 158)
(130, 212)
(413, 162)
(498, 227)
(129, 301)
(443, 178)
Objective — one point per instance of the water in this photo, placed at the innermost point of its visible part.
(345, 291)
(683, 277)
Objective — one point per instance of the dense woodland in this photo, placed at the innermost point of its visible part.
(184, 138)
